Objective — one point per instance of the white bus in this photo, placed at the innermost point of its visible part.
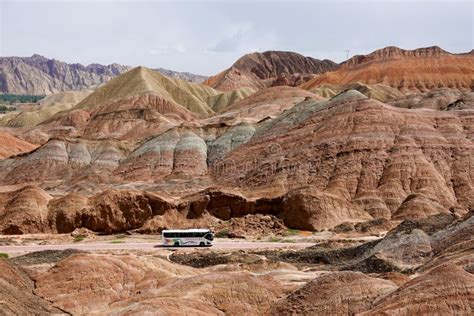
(187, 237)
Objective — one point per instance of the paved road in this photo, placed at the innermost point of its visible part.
(148, 246)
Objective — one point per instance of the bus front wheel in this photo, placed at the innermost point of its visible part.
(201, 244)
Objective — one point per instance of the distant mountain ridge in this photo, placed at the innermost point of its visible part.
(418, 70)
(39, 75)
(270, 68)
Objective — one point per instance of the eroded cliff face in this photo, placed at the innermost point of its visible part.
(349, 159)
(390, 162)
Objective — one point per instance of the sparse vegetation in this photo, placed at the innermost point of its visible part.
(222, 234)
(19, 98)
(278, 239)
(4, 108)
(292, 232)
(274, 239)
(3, 255)
(115, 241)
(120, 236)
(79, 238)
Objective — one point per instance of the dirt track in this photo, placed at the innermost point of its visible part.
(147, 246)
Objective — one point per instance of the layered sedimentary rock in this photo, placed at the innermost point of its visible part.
(131, 284)
(261, 106)
(24, 211)
(176, 151)
(343, 293)
(376, 91)
(11, 145)
(32, 210)
(133, 106)
(135, 118)
(260, 70)
(44, 109)
(141, 80)
(367, 159)
(447, 289)
(390, 162)
(108, 279)
(221, 101)
(421, 69)
(444, 99)
(63, 160)
(412, 246)
(311, 209)
(16, 293)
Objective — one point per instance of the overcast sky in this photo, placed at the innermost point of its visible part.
(208, 36)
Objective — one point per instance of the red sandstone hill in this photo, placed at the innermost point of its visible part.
(354, 154)
(421, 69)
(261, 70)
(10, 145)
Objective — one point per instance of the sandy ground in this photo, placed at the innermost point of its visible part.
(15, 245)
(100, 246)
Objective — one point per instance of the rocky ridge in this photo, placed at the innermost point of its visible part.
(418, 70)
(271, 68)
(38, 75)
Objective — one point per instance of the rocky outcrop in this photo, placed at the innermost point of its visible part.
(31, 210)
(108, 212)
(260, 70)
(418, 70)
(314, 210)
(24, 211)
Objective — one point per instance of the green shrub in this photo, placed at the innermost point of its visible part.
(117, 241)
(3, 255)
(292, 232)
(222, 233)
(120, 236)
(79, 238)
(275, 239)
(4, 108)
